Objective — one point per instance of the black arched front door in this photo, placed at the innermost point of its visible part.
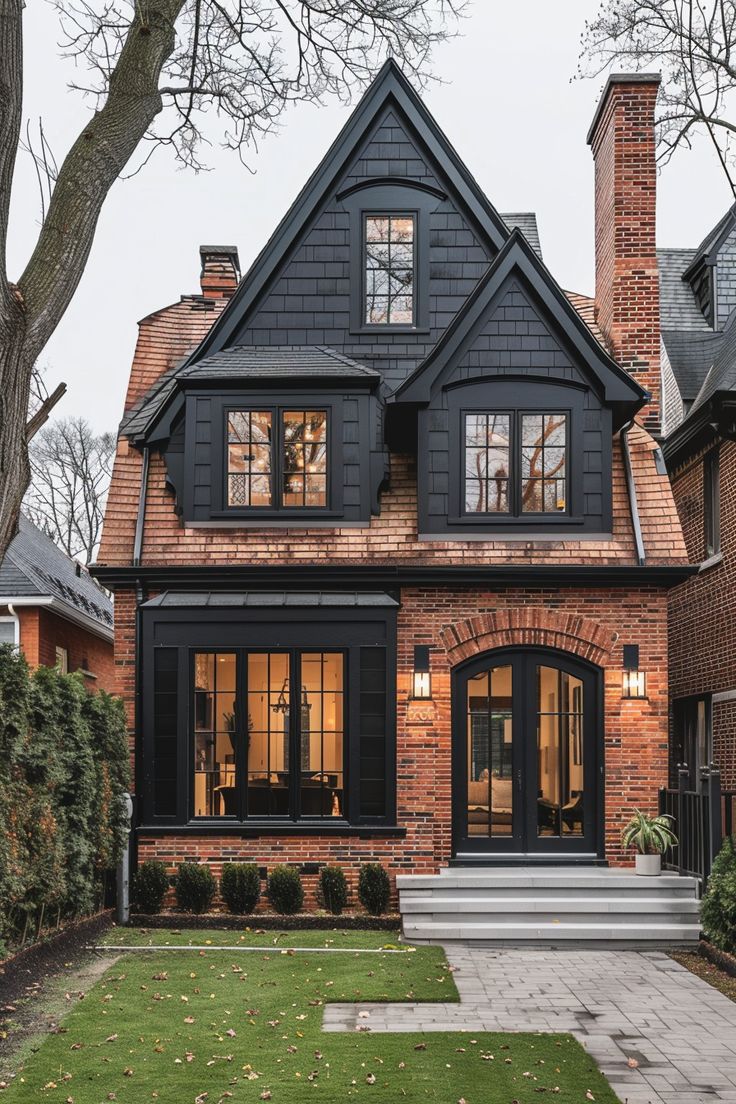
(527, 755)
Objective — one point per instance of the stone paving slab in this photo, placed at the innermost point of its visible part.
(619, 1005)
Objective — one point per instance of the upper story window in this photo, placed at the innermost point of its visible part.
(712, 502)
(389, 271)
(277, 458)
(515, 462)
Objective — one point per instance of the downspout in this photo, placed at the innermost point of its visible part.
(631, 489)
(16, 618)
(138, 542)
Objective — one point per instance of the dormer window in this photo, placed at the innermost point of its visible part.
(389, 251)
(277, 458)
(515, 462)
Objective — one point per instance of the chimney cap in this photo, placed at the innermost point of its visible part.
(619, 78)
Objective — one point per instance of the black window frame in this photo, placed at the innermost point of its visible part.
(358, 632)
(295, 814)
(521, 395)
(382, 327)
(277, 410)
(390, 198)
(514, 476)
(712, 502)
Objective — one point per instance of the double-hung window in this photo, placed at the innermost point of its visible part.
(515, 462)
(277, 458)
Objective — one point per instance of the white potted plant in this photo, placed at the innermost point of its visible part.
(651, 837)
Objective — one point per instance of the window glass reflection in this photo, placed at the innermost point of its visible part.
(489, 752)
(214, 734)
(560, 801)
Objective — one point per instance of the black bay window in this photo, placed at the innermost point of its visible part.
(252, 731)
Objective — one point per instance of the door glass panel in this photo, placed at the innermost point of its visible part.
(321, 733)
(268, 734)
(214, 734)
(489, 753)
(560, 768)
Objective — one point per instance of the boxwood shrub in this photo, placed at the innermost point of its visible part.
(149, 886)
(333, 889)
(195, 887)
(374, 888)
(285, 890)
(240, 887)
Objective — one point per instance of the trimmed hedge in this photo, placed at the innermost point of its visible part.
(374, 888)
(718, 909)
(285, 890)
(63, 772)
(240, 887)
(196, 886)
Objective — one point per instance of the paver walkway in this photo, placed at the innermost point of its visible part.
(620, 1005)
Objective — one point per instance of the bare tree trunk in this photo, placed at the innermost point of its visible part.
(15, 374)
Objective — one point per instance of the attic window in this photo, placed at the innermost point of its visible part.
(389, 251)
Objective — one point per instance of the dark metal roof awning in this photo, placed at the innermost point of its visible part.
(270, 599)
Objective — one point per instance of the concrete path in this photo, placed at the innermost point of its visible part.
(620, 1005)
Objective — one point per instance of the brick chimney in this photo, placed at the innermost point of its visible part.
(220, 271)
(621, 137)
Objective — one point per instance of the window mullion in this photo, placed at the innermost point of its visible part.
(295, 677)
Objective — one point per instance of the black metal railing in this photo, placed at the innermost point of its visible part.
(703, 816)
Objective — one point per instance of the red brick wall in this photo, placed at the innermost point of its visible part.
(627, 278)
(42, 631)
(702, 611)
(459, 622)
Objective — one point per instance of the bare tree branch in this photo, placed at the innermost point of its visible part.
(70, 476)
(692, 43)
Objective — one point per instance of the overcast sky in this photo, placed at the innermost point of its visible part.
(507, 104)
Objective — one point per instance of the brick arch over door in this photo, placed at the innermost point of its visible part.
(531, 628)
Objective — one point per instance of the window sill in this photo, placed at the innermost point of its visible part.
(712, 561)
(378, 330)
(261, 828)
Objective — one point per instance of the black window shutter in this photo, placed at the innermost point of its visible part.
(372, 727)
(165, 703)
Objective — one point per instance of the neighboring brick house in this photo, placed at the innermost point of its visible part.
(53, 611)
(390, 544)
(698, 295)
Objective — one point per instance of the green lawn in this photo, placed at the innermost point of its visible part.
(208, 1028)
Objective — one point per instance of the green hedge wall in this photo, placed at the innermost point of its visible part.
(63, 771)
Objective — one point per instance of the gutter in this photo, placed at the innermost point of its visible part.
(631, 489)
(16, 619)
(138, 542)
(68, 613)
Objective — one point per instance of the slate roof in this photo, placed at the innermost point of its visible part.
(691, 355)
(721, 375)
(678, 307)
(714, 238)
(526, 221)
(35, 567)
(274, 362)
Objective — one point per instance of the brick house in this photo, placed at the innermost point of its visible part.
(390, 539)
(53, 611)
(698, 296)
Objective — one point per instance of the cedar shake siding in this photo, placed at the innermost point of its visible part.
(392, 559)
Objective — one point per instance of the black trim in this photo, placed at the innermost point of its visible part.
(267, 576)
(390, 182)
(523, 839)
(252, 829)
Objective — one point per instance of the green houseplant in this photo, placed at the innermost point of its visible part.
(650, 836)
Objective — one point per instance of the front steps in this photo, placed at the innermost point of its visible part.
(549, 906)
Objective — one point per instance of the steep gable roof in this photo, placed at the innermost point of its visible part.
(389, 89)
(517, 256)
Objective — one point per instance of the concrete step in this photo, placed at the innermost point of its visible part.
(549, 934)
(536, 884)
(417, 904)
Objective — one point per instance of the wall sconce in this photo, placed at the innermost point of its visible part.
(421, 676)
(635, 681)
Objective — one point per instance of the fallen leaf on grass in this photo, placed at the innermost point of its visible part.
(189, 1019)
(370, 1079)
(265, 1095)
(632, 1063)
(111, 1038)
(420, 1046)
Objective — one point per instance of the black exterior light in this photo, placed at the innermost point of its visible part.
(635, 681)
(421, 677)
